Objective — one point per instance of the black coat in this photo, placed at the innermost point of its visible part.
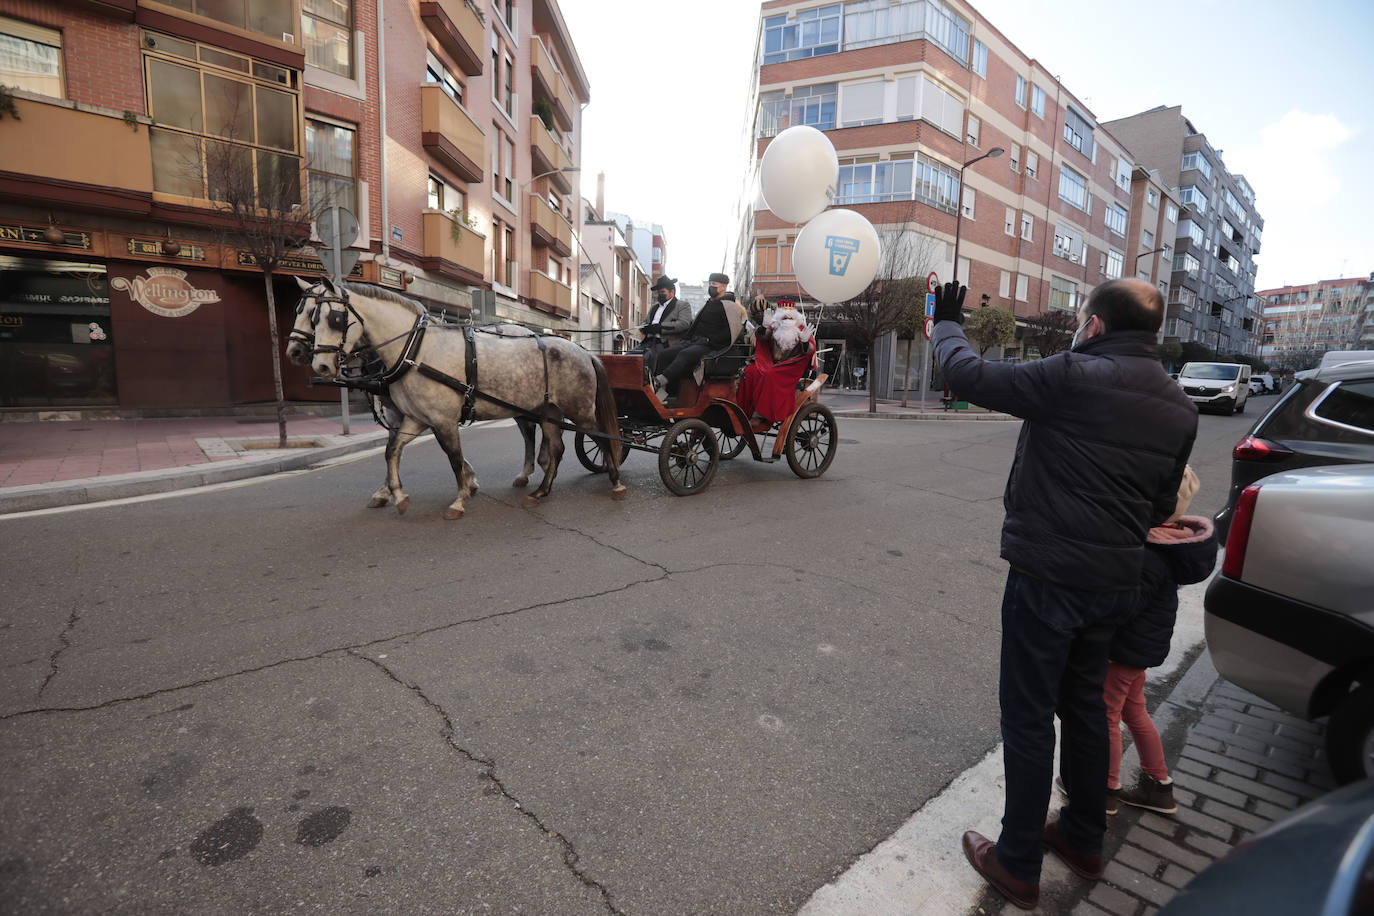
(711, 324)
(1100, 457)
(1143, 641)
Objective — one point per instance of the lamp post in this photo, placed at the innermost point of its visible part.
(959, 212)
(1135, 268)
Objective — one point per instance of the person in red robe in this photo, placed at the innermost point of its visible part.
(783, 350)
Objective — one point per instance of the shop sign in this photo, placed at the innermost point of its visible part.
(30, 235)
(154, 248)
(165, 291)
(392, 277)
(298, 263)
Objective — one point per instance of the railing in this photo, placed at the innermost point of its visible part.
(55, 141)
(448, 239)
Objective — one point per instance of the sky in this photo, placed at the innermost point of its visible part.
(1284, 90)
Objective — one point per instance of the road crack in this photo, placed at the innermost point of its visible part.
(64, 643)
(571, 858)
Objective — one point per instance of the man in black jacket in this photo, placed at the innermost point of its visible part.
(1098, 463)
(709, 332)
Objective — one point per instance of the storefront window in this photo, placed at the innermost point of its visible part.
(56, 343)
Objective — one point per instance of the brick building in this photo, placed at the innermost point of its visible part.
(451, 130)
(1303, 322)
(908, 92)
(1212, 283)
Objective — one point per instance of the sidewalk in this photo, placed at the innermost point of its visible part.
(848, 402)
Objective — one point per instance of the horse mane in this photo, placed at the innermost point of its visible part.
(373, 291)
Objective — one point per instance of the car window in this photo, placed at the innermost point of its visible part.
(1350, 404)
(1203, 370)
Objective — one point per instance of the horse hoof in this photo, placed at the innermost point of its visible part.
(618, 491)
(520, 482)
(451, 513)
(376, 502)
(402, 505)
(530, 502)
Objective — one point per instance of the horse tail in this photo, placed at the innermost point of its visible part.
(607, 419)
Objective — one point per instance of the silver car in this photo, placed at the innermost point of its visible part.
(1290, 615)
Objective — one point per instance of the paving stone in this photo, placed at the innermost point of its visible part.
(1224, 763)
(1243, 819)
(1176, 876)
(1206, 823)
(1210, 845)
(1206, 743)
(1184, 797)
(1085, 908)
(1138, 859)
(1129, 879)
(1306, 790)
(1303, 745)
(1271, 714)
(1295, 726)
(1161, 825)
(1271, 811)
(1211, 789)
(1113, 900)
(1289, 769)
(1216, 701)
(1257, 790)
(1168, 850)
(1230, 738)
(1196, 767)
(1245, 718)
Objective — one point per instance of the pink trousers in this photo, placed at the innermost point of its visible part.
(1124, 694)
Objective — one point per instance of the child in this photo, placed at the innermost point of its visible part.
(1181, 551)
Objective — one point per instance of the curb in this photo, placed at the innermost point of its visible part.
(881, 415)
(141, 483)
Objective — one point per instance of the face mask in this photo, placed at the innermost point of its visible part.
(1073, 344)
(715, 292)
(661, 296)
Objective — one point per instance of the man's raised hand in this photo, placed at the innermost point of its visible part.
(949, 302)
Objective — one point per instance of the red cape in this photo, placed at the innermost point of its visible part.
(770, 388)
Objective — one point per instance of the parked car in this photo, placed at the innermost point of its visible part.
(1216, 386)
(1262, 383)
(1316, 861)
(1290, 614)
(1325, 417)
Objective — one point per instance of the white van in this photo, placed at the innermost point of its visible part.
(1224, 387)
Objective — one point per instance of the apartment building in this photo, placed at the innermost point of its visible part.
(622, 277)
(647, 239)
(452, 130)
(909, 92)
(1303, 322)
(1212, 283)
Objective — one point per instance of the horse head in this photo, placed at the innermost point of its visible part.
(300, 340)
(336, 327)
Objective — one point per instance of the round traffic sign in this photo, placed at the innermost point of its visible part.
(929, 328)
(932, 281)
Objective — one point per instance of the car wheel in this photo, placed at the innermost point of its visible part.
(1350, 737)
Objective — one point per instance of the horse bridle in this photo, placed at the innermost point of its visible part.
(339, 308)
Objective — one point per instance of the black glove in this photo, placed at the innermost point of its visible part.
(650, 330)
(949, 302)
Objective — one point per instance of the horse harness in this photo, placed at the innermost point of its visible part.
(377, 383)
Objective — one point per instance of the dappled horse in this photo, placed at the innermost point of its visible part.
(300, 341)
(439, 376)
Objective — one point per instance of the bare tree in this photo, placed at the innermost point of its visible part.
(1050, 332)
(898, 287)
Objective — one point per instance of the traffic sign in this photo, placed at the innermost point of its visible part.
(928, 328)
(932, 281)
(930, 305)
(337, 228)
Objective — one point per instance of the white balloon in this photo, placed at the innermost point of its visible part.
(799, 173)
(836, 255)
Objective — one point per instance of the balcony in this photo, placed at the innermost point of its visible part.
(449, 135)
(459, 32)
(549, 83)
(453, 249)
(50, 160)
(546, 155)
(548, 228)
(548, 295)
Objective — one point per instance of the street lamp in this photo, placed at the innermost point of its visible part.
(1136, 267)
(959, 204)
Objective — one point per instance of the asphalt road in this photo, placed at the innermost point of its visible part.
(270, 698)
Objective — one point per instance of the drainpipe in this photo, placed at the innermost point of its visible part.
(381, 124)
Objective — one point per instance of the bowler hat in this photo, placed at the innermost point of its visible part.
(664, 283)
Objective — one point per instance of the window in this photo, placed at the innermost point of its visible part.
(1186, 263)
(1063, 295)
(970, 198)
(865, 180)
(1004, 285)
(509, 94)
(1015, 151)
(331, 152)
(1122, 170)
(1171, 213)
(980, 58)
(1077, 131)
(813, 32)
(1199, 162)
(773, 257)
(1073, 188)
(1037, 100)
(861, 103)
(1152, 197)
(1068, 243)
(271, 18)
(225, 123)
(1115, 264)
(815, 106)
(31, 58)
(918, 96)
(1027, 226)
(437, 194)
(974, 128)
(327, 28)
(877, 22)
(503, 168)
(1009, 227)
(1021, 91)
(436, 72)
(1193, 231)
(1021, 285)
(1116, 219)
(1032, 163)
(936, 184)
(1147, 238)
(1194, 197)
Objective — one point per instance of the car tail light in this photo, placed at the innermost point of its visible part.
(1253, 448)
(1239, 536)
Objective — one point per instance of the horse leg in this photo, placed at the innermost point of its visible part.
(382, 495)
(533, 498)
(527, 430)
(391, 490)
(453, 448)
(553, 456)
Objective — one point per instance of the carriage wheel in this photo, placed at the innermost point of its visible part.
(811, 444)
(591, 451)
(688, 457)
(730, 444)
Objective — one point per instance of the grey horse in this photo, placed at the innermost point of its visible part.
(547, 379)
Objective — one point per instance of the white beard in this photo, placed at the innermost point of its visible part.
(789, 330)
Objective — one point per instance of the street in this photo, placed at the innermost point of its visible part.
(268, 697)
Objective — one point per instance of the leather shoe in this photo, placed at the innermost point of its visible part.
(982, 855)
(1080, 863)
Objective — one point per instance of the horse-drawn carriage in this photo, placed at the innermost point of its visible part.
(437, 377)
